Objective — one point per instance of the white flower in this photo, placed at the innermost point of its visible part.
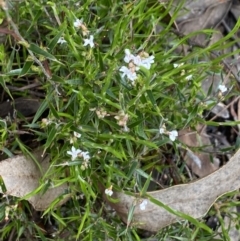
(61, 40)
(85, 155)
(162, 130)
(222, 88)
(189, 77)
(137, 60)
(76, 134)
(173, 135)
(127, 72)
(144, 62)
(125, 128)
(78, 23)
(143, 204)
(89, 41)
(178, 65)
(85, 165)
(175, 65)
(128, 56)
(147, 62)
(109, 191)
(122, 118)
(46, 122)
(101, 113)
(74, 152)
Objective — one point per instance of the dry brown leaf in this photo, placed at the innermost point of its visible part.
(209, 19)
(193, 199)
(26, 106)
(196, 15)
(195, 8)
(194, 139)
(221, 110)
(235, 10)
(21, 176)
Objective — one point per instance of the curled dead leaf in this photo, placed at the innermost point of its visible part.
(199, 162)
(21, 176)
(193, 199)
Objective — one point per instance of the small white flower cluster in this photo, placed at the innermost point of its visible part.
(143, 204)
(46, 122)
(175, 65)
(122, 120)
(89, 41)
(121, 117)
(78, 23)
(109, 191)
(85, 164)
(222, 88)
(61, 40)
(101, 113)
(78, 153)
(188, 77)
(75, 136)
(9, 208)
(134, 64)
(172, 134)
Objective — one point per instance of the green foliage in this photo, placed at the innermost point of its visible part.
(86, 94)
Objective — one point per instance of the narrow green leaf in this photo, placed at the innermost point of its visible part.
(104, 147)
(37, 50)
(42, 108)
(7, 151)
(51, 137)
(151, 98)
(143, 174)
(2, 185)
(54, 111)
(14, 72)
(146, 185)
(180, 214)
(26, 68)
(130, 215)
(54, 41)
(131, 171)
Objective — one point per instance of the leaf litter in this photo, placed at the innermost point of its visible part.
(22, 176)
(193, 199)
